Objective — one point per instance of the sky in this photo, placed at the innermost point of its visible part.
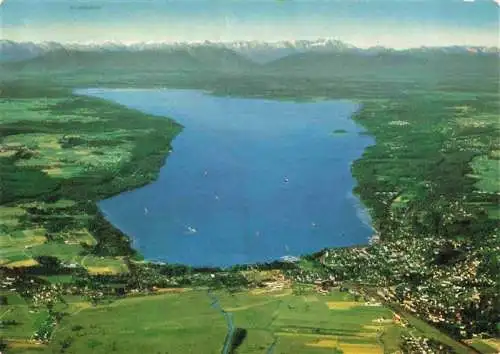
(364, 23)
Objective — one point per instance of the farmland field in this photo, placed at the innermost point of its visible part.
(53, 147)
(307, 323)
(187, 323)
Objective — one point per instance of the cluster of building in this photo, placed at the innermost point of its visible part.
(457, 296)
(423, 345)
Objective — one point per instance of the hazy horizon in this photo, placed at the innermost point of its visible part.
(391, 23)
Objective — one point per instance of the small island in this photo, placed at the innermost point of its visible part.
(339, 132)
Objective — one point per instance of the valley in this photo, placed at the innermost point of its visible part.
(428, 182)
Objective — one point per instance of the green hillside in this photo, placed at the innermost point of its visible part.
(201, 58)
(397, 66)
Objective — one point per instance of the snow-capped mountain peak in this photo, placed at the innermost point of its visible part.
(258, 51)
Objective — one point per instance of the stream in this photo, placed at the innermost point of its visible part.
(231, 329)
(229, 320)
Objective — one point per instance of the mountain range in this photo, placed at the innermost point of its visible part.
(257, 51)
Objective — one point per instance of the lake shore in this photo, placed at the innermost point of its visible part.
(179, 163)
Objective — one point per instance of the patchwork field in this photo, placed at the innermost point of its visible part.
(67, 156)
(22, 240)
(186, 322)
(59, 155)
(308, 323)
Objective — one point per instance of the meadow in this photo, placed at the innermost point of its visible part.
(309, 322)
(59, 155)
(183, 321)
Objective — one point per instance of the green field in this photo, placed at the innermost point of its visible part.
(487, 171)
(59, 155)
(491, 346)
(187, 323)
(26, 319)
(308, 323)
(168, 323)
(184, 321)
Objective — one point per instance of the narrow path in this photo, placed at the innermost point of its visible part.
(229, 320)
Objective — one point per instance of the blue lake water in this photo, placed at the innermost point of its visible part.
(249, 180)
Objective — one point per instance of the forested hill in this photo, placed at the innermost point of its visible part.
(199, 58)
(307, 59)
(397, 66)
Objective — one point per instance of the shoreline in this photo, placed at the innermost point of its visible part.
(110, 241)
(365, 218)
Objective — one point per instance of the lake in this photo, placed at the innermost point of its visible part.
(249, 180)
